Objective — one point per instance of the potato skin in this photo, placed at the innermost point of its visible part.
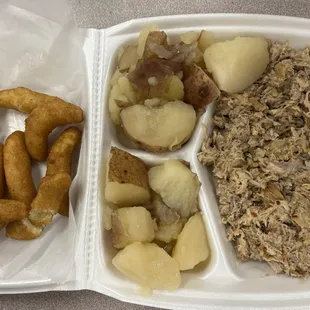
(126, 168)
(154, 37)
(43, 120)
(17, 168)
(199, 89)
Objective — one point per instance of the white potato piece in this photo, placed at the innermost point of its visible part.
(189, 37)
(192, 246)
(114, 109)
(143, 37)
(205, 40)
(128, 58)
(126, 89)
(177, 185)
(162, 212)
(175, 89)
(126, 194)
(238, 63)
(115, 77)
(130, 225)
(127, 180)
(148, 265)
(159, 129)
(167, 233)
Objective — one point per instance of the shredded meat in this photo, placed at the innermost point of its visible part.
(260, 154)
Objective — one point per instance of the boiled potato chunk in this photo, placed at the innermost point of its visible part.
(167, 233)
(127, 180)
(161, 128)
(175, 89)
(148, 265)
(162, 212)
(126, 88)
(143, 37)
(189, 37)
(177, 185)
(199, 89)
(128, 58)
(115, 77)
(192, 245)
(130, 225)
(205, 40)
(156, 45)
(114, 109)
(238, 63)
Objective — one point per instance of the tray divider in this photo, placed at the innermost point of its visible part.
(95, 148)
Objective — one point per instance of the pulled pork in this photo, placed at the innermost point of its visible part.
(260, 154)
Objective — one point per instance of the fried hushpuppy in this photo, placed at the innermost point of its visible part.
(17, 168)
(60, 158)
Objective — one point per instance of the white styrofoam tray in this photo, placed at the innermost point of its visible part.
(222, 283)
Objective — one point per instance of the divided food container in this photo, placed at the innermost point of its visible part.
(221, 283)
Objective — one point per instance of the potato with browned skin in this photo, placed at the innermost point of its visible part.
(51, 193)
(143, 38)
(156, 42)
(199, 89)
(127, 181)
(43, 120)
(24, 99)
(60, 158)
(17, 168)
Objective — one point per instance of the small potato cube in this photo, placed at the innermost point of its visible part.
(192, 246)
(189, 37)
(130, 225)
(143, 37)
(128, 58)
(206, 39)
(127, 180)
(126, 89)
(175, 89)
(148, 265)
(167, 233)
